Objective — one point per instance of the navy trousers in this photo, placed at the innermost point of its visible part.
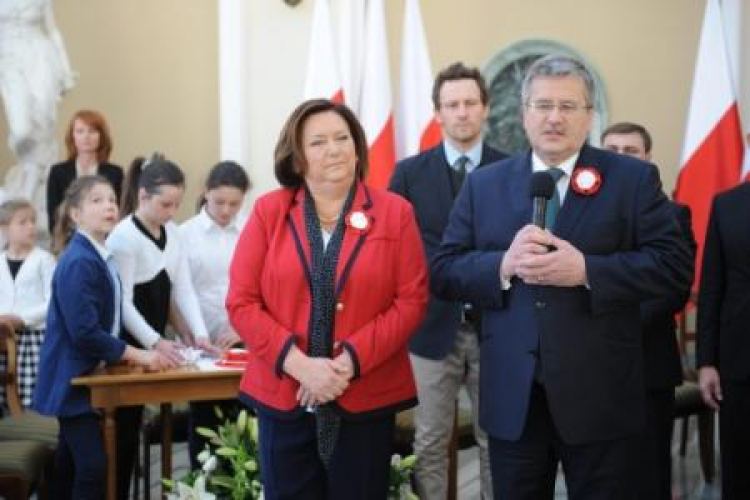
(526, 469)
(655, 474)
(80, 463)
(734, 440)
(128, 421)
(291, 468)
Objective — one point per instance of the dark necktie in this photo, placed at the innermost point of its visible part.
(458, 173)
(554, 203)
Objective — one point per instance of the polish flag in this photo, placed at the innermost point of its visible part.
(416, 127)
(712, 155)
(375, 99)
(323, 78)
(746, 163)
(351, 49)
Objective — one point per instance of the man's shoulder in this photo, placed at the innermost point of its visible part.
(491, 155)
(433, 155)
(736, 194)
(625, 169)
(501, 164)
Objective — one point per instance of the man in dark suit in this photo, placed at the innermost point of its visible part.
(562, 360)
(723, 349)
(661, 356)
(445, 349)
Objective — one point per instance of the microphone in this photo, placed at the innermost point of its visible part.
(541, 188)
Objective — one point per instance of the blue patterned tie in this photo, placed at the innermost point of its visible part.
(553, 206)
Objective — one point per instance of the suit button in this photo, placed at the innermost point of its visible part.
(540, 304)
(339, 306)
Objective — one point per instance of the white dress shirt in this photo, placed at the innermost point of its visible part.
(567, 166)
(139, 260)
(474, 155)
(209, 249)
(28, 295)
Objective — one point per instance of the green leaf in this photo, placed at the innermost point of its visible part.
(241, 421)
(223, 481)
(408, 462)
(226, 451)
(205, 432)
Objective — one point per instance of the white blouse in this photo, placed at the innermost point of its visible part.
(28, 295)
(209, 250)
(138, 260)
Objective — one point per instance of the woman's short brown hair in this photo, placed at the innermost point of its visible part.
(95, 120)
(289, 156)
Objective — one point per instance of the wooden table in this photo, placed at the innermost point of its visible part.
(129, 386)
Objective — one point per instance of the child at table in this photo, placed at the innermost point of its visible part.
(83, 323)
(209, 238)
(25, 278)
(151, 259)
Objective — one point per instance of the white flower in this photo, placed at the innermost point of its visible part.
(203, 456)
(210, 464)
(196, 492)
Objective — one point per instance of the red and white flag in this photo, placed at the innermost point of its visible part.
(712, 154)
(322, 78)
(351, 49)
(375, 99)
(416, 127)
(746, 163)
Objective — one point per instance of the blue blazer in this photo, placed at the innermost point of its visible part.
(425, 181)
(661, 354)
(589, 337)
(78, 338)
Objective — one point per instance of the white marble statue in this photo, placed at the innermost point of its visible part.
(34, 73)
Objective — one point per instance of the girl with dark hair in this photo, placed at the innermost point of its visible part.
(155, 276)
(210, 238)
(82, 331)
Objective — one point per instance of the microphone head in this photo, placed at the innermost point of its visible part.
(542, 185)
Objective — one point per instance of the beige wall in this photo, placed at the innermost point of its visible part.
(151, 66)
(643, 50)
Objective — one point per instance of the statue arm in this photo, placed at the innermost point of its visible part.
(69, 77)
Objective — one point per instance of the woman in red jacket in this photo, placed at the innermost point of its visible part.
(327, 283)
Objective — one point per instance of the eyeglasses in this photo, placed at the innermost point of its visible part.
(565, 107)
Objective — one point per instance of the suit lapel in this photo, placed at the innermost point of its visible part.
(87, 247)
(519, 184)
(354, 238)
(296, 223)
(575, 204)
(437, 169)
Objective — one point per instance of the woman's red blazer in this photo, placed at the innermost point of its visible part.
(381, 281)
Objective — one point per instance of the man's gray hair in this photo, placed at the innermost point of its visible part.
(555, 66)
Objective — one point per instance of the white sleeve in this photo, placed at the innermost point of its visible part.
(124, 260)
(184, 295)
(36, 314)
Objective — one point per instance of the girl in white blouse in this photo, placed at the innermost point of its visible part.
(209, 238)
(25, 287)
(152, 263)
